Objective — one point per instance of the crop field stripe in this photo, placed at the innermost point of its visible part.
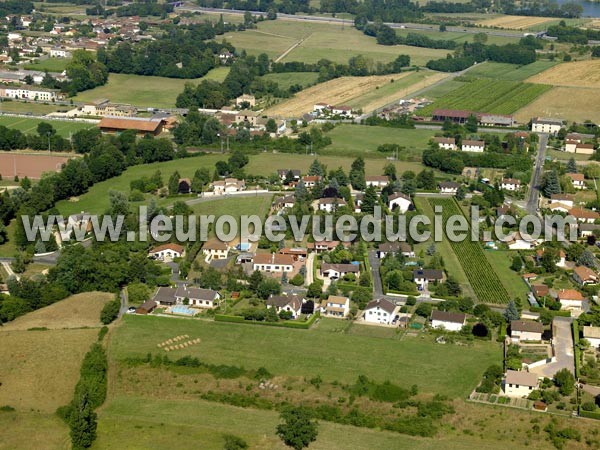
(480, 273)
(489, 96)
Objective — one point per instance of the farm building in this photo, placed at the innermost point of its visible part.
(140, 125)
(453, 115)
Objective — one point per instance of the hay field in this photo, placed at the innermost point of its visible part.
(77, 311)
(578, 74)
(336, 92)
(574, 104)
(47, 431)
(514, 22)
(39, 369)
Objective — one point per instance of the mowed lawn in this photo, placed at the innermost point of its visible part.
(235, 206)
(29, 126)
(31, 107)
(145, 91)
(49, 64)
(358, 140)
(150, 423)
(445, 369)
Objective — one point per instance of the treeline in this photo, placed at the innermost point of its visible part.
(8, 7)
(181, 52)
(386, 35)
(471, 53)
(90, 393)
(395, 121)
(84, 72)
(454, 162)
(545, 9)
(46, 137)
(572, 35)
(246, 72)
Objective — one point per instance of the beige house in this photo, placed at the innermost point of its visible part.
(592, 335)
(197, 297)
(577, 180)
(274, 262)
(571, 300)
(526, 330)
(445, 143)
(336, 306)
(167, 252)
(215, 249)
(245, 98)
(247, 116)
(584, 275)
(519, 383)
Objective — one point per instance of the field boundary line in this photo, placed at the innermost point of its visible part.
(292, 48)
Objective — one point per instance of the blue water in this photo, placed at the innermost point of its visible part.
(182, 309)
(590, 9)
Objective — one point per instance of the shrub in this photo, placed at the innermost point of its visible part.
(233, 442)
(110, 311)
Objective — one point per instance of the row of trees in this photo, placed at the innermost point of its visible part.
(454, 162)
(84, 72)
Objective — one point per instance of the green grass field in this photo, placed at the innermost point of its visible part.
(285, 80)
(49, 64)
(332, 355)
(513, 283)
(28, 126)
(235, 207)
(321, 40)
(510, 72)
(457, 36)
(144, 91)
(489, 96)
(355, 140)
(442, 89)
(31, 107)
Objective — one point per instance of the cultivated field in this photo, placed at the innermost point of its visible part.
(514, 22)
(40, 368)
(578, 74)
(510, 72)
(577, 104)
(367, 93)
(29, 125)
(144, 91)
(333, 356)
(480, 273)
(30, 165)
(77, 311)
(489, 96)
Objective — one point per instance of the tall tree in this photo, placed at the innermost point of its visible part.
(511, 312)
(357, 174)
(298, 429)
(571, 166)
(551, 183)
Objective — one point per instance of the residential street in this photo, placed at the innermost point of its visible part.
(534, 191)
(563, 346)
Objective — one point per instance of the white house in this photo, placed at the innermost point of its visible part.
(448, 187)
(274, 262)
(310, 180)
(571, 300)
(519, 383)
(58, 52)
(400, 201)
(379, 311)
(445, 143)
(592, 335)
(526, 330)
(341, 110)
(201, 298)
(544, 125)
(394, 248)
(510, 184)
(577, 180)
(472, 146)
(215, 249)
(584, 215)
(227, 186)
(291, 303)
(588, 229)
(422, 277)
(565, 199)
(330, 204)
(570, 146)
(450, 321)
(167, 252)
(30, 93)
(336, 306)
(518, 241)
(585, 149)
(336, 271)
(378, 181)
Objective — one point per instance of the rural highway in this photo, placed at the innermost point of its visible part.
(534, 186)
(338, 21)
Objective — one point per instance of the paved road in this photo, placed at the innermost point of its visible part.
(377, 284)
(124, 302)
(563, 346)
(536, 177)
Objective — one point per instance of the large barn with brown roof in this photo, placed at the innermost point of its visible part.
(140, 125)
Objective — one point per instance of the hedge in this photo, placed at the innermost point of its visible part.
(393, 291)
(287, 324)
(576, 347)
(589, 414)
(554, 313)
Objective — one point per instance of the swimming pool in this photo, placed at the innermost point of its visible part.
(183, 309)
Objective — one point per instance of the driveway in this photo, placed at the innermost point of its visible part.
(375, 263)
(563, 347)
(310, 262)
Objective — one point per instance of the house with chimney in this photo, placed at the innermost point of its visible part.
(422, 277)
(585, 276)
(273, 262)
(519, 383)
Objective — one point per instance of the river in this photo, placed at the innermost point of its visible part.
(590, 9)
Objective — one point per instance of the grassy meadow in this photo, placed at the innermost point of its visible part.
(139, 90)
(49, 64)
(513, 283)
(332, 355)
(287, 79)
(510, 72)
(29, 126)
